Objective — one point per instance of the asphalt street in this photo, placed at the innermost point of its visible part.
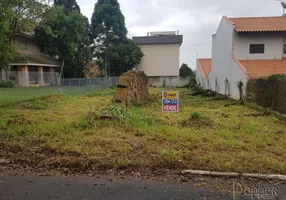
(102, 188)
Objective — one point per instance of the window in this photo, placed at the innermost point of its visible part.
(284, 48)
(256, 48)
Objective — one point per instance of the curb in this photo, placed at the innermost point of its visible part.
(235, 175)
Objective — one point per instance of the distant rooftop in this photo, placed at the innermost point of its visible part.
(164, 37)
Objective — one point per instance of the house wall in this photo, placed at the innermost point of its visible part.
(160, 59)
(273, 46)
(221, 55)
(223, 65)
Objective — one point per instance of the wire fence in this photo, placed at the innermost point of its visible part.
(20, 87)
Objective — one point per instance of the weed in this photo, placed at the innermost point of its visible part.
(197, 121)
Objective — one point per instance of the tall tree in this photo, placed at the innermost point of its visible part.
(59, 34)
(83, 56)
(69, 5)
(107, 28)
(124, 57)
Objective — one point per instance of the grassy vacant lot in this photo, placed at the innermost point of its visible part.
(92, 132)
(12, 95)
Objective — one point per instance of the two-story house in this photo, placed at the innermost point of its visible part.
(243, 49)
(161, 53)
(32, 67)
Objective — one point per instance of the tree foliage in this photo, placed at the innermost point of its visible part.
(69, 5)
(124, 57)
(16, 16)
(27, 14)
(59, 34)
(109, 33)
(7, 50)
(185, 70)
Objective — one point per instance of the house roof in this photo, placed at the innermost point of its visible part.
(206, 66)
(264, 68)
(165, 39)
(31, 59)
(258, 24)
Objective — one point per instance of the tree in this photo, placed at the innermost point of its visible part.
(185, 70)
(16, 16)
(107, 28)
(83, 56)
(26, 15)
(69, 5)
(59, 34)
(124, 57)
(7, 50)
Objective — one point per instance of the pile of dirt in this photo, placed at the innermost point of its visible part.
(132, 87)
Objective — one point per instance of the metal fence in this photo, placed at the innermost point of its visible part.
(36, 87)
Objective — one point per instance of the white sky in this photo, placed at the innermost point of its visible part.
(196, 20)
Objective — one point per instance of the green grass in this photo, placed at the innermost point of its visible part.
(12, 95)
(206, 134)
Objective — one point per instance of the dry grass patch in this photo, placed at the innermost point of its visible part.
(208, 133)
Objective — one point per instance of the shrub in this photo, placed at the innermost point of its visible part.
(7, 84)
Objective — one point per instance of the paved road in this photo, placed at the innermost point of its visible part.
(101, 188)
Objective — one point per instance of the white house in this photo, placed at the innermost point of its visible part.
(161, 53)
(242, 49)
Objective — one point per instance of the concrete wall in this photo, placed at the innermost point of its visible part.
(273, 46)
(160, 59)
(168, 81)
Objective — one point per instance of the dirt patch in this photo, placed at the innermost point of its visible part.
(53, 98)
(41, 156)
(198, 121)
(43, 102)
(18, 120)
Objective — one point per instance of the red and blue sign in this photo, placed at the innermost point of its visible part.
(170, 101)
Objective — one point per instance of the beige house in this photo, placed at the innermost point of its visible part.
(161, 54)
(32, 67)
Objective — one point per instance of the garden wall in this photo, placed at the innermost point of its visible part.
(168, 81)
(268, 92)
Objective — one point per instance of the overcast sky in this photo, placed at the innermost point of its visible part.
(196, 20)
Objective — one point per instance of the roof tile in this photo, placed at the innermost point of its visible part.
(264, 68)
(259, 24)
(206, 66)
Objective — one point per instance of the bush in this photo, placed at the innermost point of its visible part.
(7, 84)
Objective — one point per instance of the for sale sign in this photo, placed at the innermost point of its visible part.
(170, 101)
